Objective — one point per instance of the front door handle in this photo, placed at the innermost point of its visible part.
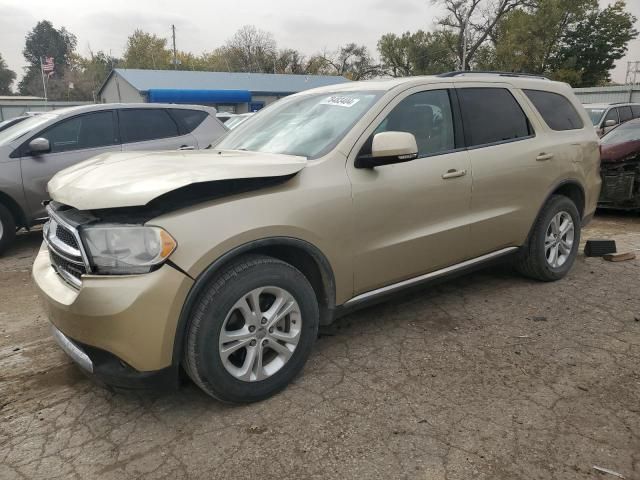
(454, 174)
(544, 157)
(187, 147)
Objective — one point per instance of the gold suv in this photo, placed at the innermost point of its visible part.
(223, 263)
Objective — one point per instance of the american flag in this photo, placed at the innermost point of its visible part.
(48, 66)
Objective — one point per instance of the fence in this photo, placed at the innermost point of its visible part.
(14, 107)
(622, 93)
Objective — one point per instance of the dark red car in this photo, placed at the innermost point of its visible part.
(620, 167)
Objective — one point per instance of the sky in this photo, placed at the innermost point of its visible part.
(202, 25)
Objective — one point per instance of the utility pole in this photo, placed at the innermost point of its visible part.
(175, 55)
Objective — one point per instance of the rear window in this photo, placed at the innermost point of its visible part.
(492, 115)
(188, 120)
(139, 125)
(556, 110)
(625, 114)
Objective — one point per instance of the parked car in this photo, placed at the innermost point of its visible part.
(606, 117)
(12, 121)
(620, 167)
(32, 151)
(225, 262)
(236, 120)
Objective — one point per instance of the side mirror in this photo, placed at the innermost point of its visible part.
(610, 123)
(388, 148)
(39, 145)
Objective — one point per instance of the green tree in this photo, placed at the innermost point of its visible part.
(7, 77)
(418, 53)
(592, 45)
(45, 41)
(147, 51)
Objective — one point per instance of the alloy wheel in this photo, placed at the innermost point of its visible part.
(558, 240)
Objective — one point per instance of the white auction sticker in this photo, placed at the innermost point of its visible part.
(339, 101)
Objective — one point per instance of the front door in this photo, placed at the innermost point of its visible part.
(411, 218)
(71, 140)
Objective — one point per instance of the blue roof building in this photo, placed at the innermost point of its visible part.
(228, 92)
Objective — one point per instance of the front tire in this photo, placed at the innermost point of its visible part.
(7, 228)
(252, 330)
(553, 245)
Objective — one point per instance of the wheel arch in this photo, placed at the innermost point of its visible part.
(18, 214)
(303, 255)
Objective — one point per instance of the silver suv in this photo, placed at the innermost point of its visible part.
(32, 151)
(605, 117)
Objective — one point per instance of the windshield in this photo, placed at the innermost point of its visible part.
(595, 114)
(308, 125)
(627, 132)
(24, 127)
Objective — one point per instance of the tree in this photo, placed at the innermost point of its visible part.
(416, 53)
(351, 61)
(45, 41)
(148, 51)
(592, 46)
(475, 19)
(251, 50)
(7, 77)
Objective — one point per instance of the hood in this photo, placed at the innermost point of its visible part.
(114, 180)
(619, 151)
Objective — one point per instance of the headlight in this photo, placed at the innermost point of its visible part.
(127, 249)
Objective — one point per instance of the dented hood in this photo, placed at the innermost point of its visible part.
(114, 180)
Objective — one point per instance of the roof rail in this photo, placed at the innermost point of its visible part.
(488, 72)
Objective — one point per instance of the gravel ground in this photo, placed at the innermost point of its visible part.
(490, 376)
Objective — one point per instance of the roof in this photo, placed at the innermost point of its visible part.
(145, 80)
(18, 98)
(607, 105)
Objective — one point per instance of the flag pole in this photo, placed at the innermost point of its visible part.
(44, 84)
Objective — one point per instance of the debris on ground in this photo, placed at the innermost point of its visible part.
(619, 257)
(606, 470)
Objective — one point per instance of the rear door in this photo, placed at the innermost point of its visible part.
(152, 129)
(72, 140)
(506, 155)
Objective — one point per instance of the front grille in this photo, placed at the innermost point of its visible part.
(62, 266)
(66, 237)
(617, 188)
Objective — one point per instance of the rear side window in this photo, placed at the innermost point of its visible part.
(635, 109)
(188, 120)
(556, 110)
(625, 114)
(139, 125)
(492, 115)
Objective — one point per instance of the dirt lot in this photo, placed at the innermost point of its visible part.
(487, 377)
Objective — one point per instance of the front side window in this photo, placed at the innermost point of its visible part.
(139, 125)
(612, 115)
(555, 109)
(492, 115)
(91, 130)
(309, 125)
(625, 114)
(428, 116)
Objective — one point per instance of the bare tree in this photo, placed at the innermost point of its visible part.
(252, 50)
(472, 22)
(352, 61)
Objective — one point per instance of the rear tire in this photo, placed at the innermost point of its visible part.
(7, 228)
(554, 241)
(266, 313)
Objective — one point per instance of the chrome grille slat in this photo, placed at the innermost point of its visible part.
(65, 250)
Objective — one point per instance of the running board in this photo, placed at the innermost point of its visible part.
(389, 289)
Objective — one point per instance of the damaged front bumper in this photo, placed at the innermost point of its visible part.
(620, 185)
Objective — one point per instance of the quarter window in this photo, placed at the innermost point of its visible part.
(492, 115)
(139, 125)
(556, 110)
(427, 115)
(91, 130)
(188, 119)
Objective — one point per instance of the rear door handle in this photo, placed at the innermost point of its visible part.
(544, 157)
(454, 174)
(187, 147)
